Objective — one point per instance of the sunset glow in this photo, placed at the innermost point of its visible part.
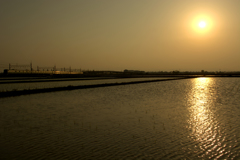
(202, 24)
(118, 35)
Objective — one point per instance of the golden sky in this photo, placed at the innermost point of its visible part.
(150, 35)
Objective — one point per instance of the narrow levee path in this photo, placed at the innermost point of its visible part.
(67, 88)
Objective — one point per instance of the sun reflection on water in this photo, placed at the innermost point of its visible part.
(203, 124)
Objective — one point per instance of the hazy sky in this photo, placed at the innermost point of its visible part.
(148, 35)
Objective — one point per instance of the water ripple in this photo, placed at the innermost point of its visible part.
(187, 119)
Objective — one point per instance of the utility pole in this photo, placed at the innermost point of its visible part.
(31, 67)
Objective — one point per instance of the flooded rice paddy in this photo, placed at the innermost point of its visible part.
(60, 82)
(184, 119)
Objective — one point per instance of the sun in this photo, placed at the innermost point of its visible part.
(202, 24)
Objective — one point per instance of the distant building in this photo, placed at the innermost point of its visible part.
(133, 71)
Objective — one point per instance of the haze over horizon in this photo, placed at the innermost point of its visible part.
(153, 35)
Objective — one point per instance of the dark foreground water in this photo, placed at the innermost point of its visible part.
(183, 119)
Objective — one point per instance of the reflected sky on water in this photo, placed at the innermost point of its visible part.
(202, 117)
(184, 119)
(205, 128)
(52, 84)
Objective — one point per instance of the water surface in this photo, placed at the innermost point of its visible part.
(185, 119)
(51, 83)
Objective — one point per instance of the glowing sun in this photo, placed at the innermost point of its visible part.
(202, 24)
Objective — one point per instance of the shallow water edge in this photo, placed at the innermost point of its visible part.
(69, 87)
